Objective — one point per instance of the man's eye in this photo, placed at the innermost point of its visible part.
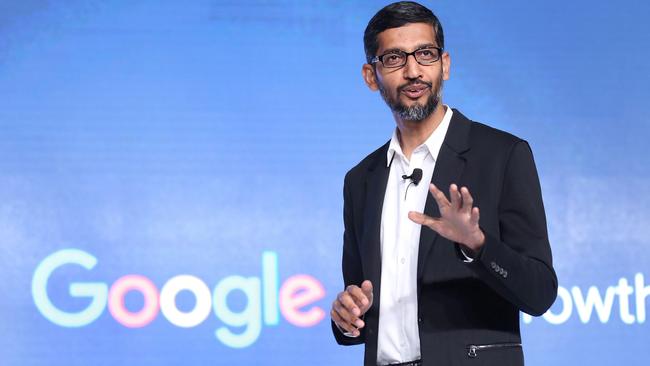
(393, 59)
(426, 54)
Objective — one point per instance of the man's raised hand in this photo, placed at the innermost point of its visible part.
(458, 219)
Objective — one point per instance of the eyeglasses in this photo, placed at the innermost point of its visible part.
(424, 56)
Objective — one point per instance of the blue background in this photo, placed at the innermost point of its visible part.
(170, 137)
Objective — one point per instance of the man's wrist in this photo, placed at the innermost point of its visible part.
(475, 245)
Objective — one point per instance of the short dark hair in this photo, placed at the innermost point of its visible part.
(396, 15)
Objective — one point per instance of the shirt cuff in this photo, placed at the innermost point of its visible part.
(467, 259)
(347, 334)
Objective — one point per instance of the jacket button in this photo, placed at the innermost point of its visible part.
(419, 320)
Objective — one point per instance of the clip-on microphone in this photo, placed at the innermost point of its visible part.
(415, 178)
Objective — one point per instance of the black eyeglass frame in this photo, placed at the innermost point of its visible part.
(380, 58)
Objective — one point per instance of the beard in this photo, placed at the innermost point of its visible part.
(416, 112)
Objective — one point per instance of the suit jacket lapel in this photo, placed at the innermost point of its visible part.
(376, 181)
(448, 170)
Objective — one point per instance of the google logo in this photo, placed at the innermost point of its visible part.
(265, 299)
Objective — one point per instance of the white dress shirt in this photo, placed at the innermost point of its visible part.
(398, 336)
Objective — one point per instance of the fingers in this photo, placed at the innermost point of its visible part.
(349, 314)
(455, 197)
(422, 219)
(440, 198)
(341, 317)
(474, 216)
(346, 319)
(366, 287)
(341, 323)
(346, 300)
(461, 199)
(359, 297)
(417, 217)
(461, 202)
(350, 305)
(467, 199)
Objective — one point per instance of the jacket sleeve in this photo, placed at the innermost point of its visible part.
(351, 261)
(517, 261)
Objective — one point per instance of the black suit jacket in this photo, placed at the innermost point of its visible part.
(460, 304)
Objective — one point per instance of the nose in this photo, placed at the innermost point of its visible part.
(412, 68)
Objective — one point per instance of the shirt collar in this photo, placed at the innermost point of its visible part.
(432, 143)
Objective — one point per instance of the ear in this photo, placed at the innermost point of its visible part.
(369, 76)
(446, 65)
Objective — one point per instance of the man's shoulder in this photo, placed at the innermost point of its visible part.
(483, 136)
(372, 160)
(481, 131)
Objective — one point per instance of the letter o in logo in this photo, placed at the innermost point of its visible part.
(168, 301)
(116, 301)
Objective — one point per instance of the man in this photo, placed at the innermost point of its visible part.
(442, 287)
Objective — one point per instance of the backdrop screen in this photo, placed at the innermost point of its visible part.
(171, 172)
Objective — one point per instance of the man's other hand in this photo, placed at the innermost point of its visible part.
(350, 305)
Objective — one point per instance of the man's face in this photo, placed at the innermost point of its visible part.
(412, 91)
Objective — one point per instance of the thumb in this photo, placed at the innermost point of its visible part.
(417, 217)
(366, 286)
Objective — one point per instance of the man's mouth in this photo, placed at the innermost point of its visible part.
(415, 91)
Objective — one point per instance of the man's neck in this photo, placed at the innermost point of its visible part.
(414, 133)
